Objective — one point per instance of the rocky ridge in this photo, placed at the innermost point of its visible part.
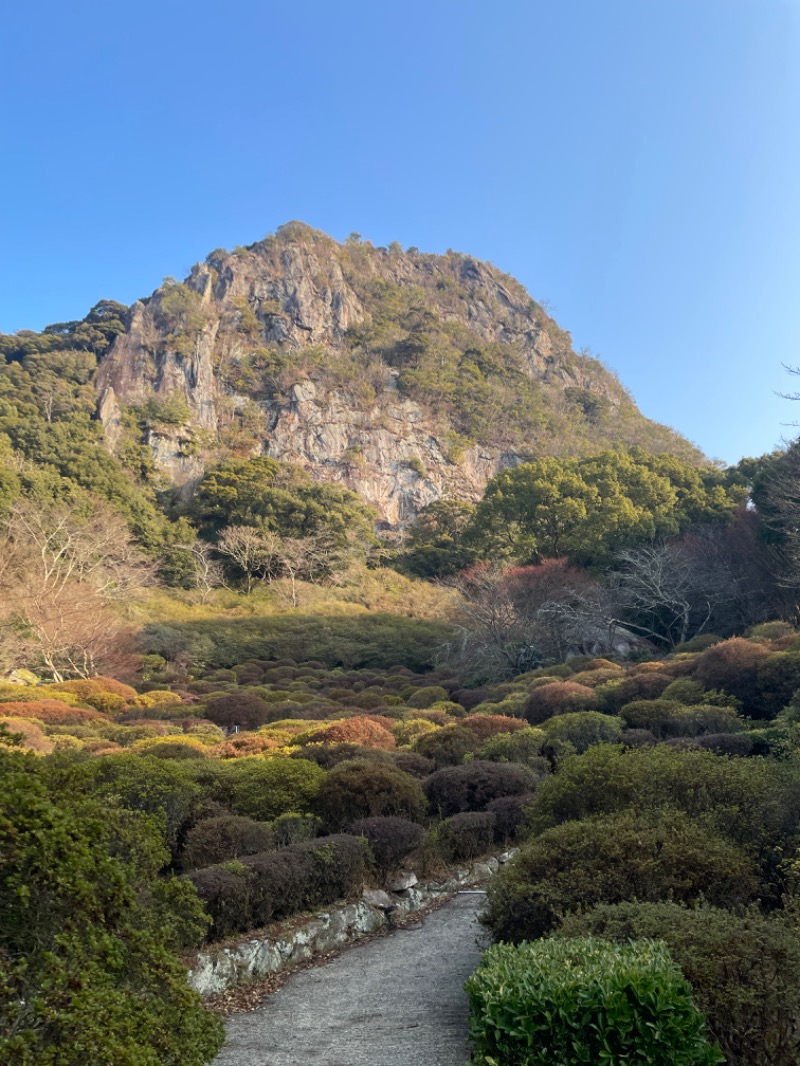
(405, 377)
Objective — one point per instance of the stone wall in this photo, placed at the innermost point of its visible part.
(218, 969)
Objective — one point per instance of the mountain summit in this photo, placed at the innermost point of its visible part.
(401, 375)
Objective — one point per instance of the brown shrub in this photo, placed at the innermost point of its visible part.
(474, 785)
(364, 789)
(489, 725)
(226, 837)
(391, 840)
(360, 730)
(466, 836)
(733, 666)
(31, 736)
(559, 697)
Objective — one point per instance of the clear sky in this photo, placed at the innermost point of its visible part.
(634, 163)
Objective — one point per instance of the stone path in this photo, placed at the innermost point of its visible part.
(395, 1001)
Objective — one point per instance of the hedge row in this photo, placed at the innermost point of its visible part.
(258, 889)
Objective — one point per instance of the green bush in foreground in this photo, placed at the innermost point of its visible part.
(744, 970)
(88, 970)
(584, 1001)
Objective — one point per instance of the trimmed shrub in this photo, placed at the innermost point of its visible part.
(28, 735)
(242, 709)
(259, 889)
(490, 725)
(778, 680)
(410, 762)
(665, 718)
(175, 749)
(365, 789)
(51, 712)
(738, 744)
(391, 840)
(217, 840)
(422, 698)
(733, 665)
(640, 686)
(581, 729)
(408, 731)
(754, 802)
(263, 789)
(744, 970)
(651, 858)
(293, 828)
(559, 697)
(363, 731)
(509, 816)
(448, 746)
(475, 784)
(327, 756)
(467, 835)
(524, 747)
(574, 1002)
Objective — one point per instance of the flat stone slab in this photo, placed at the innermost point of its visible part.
(397, 1001)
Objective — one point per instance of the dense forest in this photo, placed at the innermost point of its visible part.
(229, 701)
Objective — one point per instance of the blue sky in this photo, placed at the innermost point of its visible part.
(633, 162)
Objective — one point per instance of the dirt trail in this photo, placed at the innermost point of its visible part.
(395, 1001)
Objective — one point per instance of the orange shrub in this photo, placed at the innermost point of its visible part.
(245, 744)
(103, 693)
(33, 739)
(358, 730)
(52, 712)
(489, 725)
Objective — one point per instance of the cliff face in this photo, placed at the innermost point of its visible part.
(403, 376)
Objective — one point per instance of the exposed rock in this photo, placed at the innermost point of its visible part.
(261, 346)
(376, 897)
(403, 881)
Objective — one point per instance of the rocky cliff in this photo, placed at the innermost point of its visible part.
(403, 376)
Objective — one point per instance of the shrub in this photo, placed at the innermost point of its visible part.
(644, 686)
(363, 789)
(175, 749)
(95, 691)
(216, 840)
(263, 789)
(448, 746)
(51, 712)
(467, 835)
(582, 729)
(329, 755)
(744, 970)
(778, 680)
(472, 786)
(559, 697)
(422, 698)
(292, 828)
(359, 730)
(391, 840)
(509, 816)
(262, 888)
(733, 665)
(490, 725)
(524, 747)
(573, 1002)
(665, 718)
(411, 729)
(29, 735)
(411, 762)
(88, 968)
(754, 802)
(650, 857)
(242, 709)
(738, 744)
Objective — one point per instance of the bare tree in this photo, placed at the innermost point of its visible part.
(254, 551)
(65, 578)
(207, 573)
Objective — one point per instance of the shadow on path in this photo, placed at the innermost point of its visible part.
(396, 1001)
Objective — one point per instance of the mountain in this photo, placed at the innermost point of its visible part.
(401, 375)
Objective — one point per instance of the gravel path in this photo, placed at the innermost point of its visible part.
(395, 1001)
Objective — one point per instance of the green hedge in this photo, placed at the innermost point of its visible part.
(584, 1001)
